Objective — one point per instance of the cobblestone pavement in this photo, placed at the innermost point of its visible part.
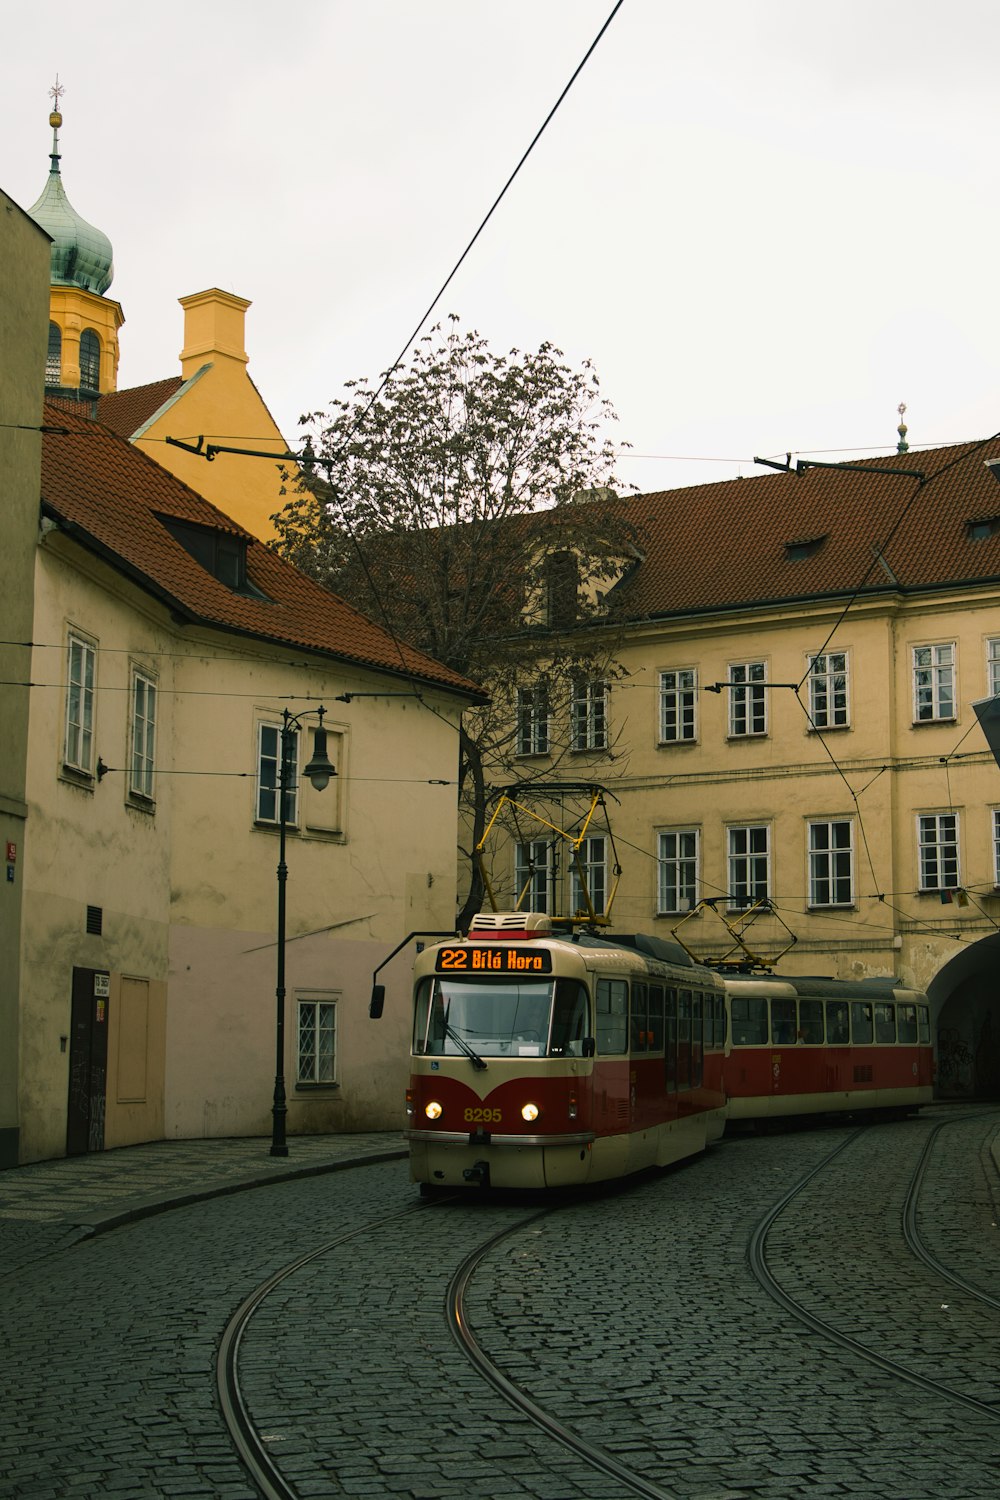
(52, 1204)
(633, 1316)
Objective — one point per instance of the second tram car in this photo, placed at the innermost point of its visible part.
(799, 1046)
(543, 1061)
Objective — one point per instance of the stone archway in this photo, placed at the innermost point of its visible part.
(965, 1001)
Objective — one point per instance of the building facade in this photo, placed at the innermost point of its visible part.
(793, 764)
(23, 320)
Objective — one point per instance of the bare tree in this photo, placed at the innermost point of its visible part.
(471, 508)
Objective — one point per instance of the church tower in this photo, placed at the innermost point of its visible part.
(82, 361)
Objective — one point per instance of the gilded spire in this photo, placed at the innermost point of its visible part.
(902, 446)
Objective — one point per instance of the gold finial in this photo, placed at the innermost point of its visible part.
(55, 93)
(902, 446)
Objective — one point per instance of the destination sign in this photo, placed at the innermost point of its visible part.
(510, 959)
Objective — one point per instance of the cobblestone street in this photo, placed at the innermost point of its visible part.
(632, 1316)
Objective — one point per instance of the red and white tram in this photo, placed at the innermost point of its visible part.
(544, 1061)
(799, 1046)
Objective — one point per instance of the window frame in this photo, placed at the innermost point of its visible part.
(533, 875)
(585, 857)
(832, 878)
(79, 734)
(929, 696)
(589, 715)
(316, 1000)
(678, 706)
(829, 706)
(995, 820)
(686, 866)
(752, 881)
(748, 712)
(273, 820)
(533, 721)
(993, 665)
(932, 852)
(142, 735)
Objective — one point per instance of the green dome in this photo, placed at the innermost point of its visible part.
(81, 255)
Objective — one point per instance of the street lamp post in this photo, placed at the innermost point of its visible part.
(319, 770)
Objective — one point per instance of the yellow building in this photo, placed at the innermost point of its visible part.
(792, 747)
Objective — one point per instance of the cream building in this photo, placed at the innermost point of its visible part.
(141, 768)
(24, 250)
(794, 728)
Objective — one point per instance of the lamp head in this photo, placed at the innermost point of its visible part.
(320, 768)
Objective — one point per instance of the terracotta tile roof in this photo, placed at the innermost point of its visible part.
(730, 544)
(109, 496)
(126, 411)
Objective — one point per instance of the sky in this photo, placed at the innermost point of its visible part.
(766, 222)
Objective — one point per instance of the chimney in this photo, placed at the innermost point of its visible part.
(213, 329)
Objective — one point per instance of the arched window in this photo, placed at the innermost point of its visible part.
(90, 361)
(53, 359)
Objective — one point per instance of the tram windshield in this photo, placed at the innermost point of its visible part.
(514, 1018)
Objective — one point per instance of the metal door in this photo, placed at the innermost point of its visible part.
(88, 1062)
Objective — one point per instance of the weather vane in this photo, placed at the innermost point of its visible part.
(56, 91)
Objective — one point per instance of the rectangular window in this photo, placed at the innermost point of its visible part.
(678, 697)
(611, 1005)
(589, 716)
(748, 699)
(678, 870)
(933, 683)
(831, 863)
(143, 735)
(828, 702)
(590, 864)
(532, 721)
(937, 838)
(749, 864)
(317, 1040)
(532, 872)
(996, 848)
(268, 762)
(993, 667)
(78, 748)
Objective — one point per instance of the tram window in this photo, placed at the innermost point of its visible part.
(612, 1015)
(749, 1021)
(907, 1018)
(924, 1025)
(811, 1022)
(862, 1027)
(684, 1039)
(570, 1019)
(670, 1039)
(838, 1025)
(720, 1021)
(656, 1017)
(885, 1023)
(783, 1028)
(697, 1039)
(637, 1015)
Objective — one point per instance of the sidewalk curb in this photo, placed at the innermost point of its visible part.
(145, 1208)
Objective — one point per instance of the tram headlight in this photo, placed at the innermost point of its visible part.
(529, 1112)
(433, 1110)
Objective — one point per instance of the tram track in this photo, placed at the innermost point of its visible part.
(757, 1255)
(252, 1441)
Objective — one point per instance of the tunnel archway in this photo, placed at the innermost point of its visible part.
(965, 1007)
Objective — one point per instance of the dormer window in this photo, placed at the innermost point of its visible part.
(221, 553)
(981, 528)
(803, 547)
(562, 587)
